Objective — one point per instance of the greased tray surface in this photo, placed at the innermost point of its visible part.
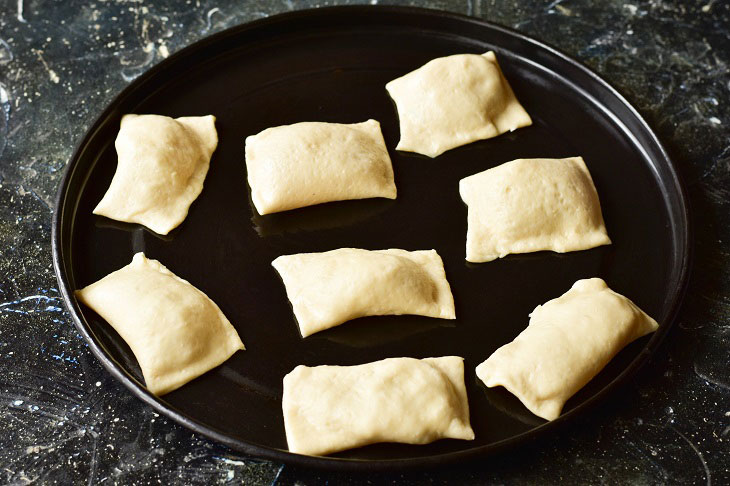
(331, 65)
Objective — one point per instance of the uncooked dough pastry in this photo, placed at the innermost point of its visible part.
(415, 401)
(452, 101)
(162, 165)
(327, 289)
(310, 163)
(568, 341)
(174, 330)
(530, 205)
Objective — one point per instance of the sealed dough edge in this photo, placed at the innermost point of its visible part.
(174, 330)
(333, 408)
(469, 99)
(330, 288)
(309, 163)
(529, 205)
(161, 168)
(568, 341)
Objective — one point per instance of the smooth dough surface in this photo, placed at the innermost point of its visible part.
(327, 289)
(308, 163)
(162, 164)
(568, 341)
(415, 401)
(174, 330)
(530, 205)
(452, 101)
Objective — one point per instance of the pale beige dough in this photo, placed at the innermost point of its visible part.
(452, 101)
(333, 408)
(310, 163)
(530, 205)
(568, 341)
(327, 289)
(162, 164)
(174, 330)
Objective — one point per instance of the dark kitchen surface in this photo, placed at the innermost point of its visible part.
(65, 420)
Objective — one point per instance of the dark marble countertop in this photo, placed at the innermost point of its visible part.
(63, 419)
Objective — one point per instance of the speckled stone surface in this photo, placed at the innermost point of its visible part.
(64, 420)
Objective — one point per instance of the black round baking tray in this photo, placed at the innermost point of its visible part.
(331, 64)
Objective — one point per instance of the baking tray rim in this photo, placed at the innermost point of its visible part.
(681, 211)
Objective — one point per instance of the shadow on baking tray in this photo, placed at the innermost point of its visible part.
(319, 217)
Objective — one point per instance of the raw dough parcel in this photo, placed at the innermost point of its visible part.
(530, 205)
(327, 289)
(175, 331)
(310, 163)
(415, 401)
(568, 341)
(452, 101)
(162, 165)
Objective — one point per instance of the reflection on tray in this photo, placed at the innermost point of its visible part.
(506, 402)
(378, 330)
(321, 216)
(104, 222)
(247, 383)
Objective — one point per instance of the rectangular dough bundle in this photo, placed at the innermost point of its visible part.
(333, 408)
(310, 163)
(162, 165)
(174, 330)
(327, 289)
(452, 101)
(568, 341)
(530, 205)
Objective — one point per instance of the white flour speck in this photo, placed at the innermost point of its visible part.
(20, 11)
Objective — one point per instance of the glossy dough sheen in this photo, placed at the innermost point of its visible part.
(568, 341)
(174, 330)
(314, 162)
(333, 408)
(162, 165)
(530, 205)
(452, 101)
(327, 289)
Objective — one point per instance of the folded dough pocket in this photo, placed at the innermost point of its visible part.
(327, 289)
(161, 168)
(333, 408)
(568, 341)
(530, 205)
(452, 101)
(174, 330)
(310, 163)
